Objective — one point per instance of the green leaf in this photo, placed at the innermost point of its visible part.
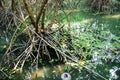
(68, 69)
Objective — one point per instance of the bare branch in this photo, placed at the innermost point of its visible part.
(29, 12)
(40, 14)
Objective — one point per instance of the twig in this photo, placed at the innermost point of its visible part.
(4, 73)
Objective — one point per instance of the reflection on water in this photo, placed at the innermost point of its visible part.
(57, 72)
(49, 72)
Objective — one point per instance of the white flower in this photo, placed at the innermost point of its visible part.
(66, 76)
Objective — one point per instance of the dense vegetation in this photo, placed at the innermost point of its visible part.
(81, 37)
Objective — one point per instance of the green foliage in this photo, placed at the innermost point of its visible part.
(91, 38)
(68, 69)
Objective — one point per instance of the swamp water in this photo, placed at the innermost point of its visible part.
(111, 28)
(106, 31)
(105, 68)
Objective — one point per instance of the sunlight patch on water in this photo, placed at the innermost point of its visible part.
(112, 16)
(86, 21)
